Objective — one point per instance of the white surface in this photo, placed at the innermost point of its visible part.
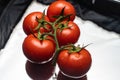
(105, 51)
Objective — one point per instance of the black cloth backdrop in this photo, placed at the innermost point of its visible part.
(105, 13)
(10, 14)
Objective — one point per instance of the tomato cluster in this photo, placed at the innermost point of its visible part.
(52, 36)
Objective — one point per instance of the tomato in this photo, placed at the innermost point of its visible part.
(68, 35)
(74, 64)
(56, 7)
(30, 22)
(38, 51)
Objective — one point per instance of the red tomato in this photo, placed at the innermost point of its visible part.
(30, 22)
(75, 64)
(56, 7)
(38, 51)
(68, 35)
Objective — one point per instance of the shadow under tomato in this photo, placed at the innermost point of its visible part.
(63, 77)
(39, 71)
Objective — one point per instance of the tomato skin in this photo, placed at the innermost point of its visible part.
(74, 64)
(38, 51)
(56, 7)
(68, 35)
(30, 22)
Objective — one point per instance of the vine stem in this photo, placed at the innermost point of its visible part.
(56, 40)
(53, 25)
(58, 49)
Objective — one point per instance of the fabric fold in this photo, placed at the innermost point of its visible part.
(9, 17)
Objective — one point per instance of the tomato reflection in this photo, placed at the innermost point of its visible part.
(62, 77)
(39, 71)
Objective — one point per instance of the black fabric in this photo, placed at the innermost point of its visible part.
(47, 2)
(3, 4)
(11, 13)
(105, 13)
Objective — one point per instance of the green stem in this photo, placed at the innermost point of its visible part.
(47, 22)
(38, 28)
(58, 49)
(55, 37)
(59, 18)
(55, 31)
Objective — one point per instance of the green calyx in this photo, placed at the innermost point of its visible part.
(62, 26)
(75, 49)
(72, 48)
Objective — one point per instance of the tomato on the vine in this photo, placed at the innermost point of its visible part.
(38, 51)
(56, 7)
(74, 64)
(30, 23)
(68, 34)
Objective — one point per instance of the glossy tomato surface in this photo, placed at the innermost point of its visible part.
(75, 64)
(56, 7)
(36, 50)
(30, 22)
(68, 35)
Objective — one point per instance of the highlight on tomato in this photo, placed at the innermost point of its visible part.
(55, 9)
(38, 50)
(74, 61)
(31, 21)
